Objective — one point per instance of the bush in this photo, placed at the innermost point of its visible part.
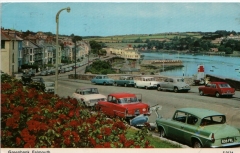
(34, 119)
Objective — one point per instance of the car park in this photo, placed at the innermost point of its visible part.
(146, 82)
(217, 89)
(88, 96)
(199, 128)
(123, 105)
(124, 81)
(102, 79)
(49, 87)
(173, 84)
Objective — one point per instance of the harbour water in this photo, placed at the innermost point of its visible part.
(222, 66)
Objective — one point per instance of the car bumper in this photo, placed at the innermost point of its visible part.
(227, 94)
(226, 145)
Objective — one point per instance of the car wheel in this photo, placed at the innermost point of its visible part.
(197, 144)
(135, 86)
(162, 133)
(125, 85)
(230, 96)
(175, 89)
(146, 87)
(104, 83)
(159, 88)
(201, 93)
(217, 95)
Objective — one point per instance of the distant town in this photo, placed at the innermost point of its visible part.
(27, 49)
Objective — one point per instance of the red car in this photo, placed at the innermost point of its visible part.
(124, 105)
(217, 89)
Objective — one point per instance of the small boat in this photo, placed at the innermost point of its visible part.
(211, 70)
(236, 69)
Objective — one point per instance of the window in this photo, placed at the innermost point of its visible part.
(192, 119)
(13, 58)
(211, 120)
(2, 44)
(180, 117)
(12, 44)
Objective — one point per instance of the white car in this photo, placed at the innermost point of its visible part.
(88, 96)
(146, 82)
(49, 87)
(173, 84)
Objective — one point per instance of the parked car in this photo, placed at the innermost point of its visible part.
(146, 82)
(199, 128)
(38, 79)
(88, 96)
(26, 79)
(37, 83)
(173, 84)
(102, 79)
(49, 87)
(124, 81)
(124, 105)
(217, 89)
(18, 76)
(44, 73)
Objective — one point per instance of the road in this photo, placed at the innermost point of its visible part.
(170, 101)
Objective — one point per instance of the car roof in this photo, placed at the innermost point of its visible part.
(200, 112)
(219, 82)
(122, 95)
(82, 88)
(147, 77)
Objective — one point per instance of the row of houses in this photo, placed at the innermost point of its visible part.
(127, 53)
(36, 49)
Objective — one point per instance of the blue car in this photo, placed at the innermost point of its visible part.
(102, 79)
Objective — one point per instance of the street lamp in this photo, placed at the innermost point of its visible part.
(57, 52)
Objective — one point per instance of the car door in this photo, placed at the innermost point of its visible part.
(191, 128)
(170, 84)
(176, 128)
(108, 106)
(164, 83)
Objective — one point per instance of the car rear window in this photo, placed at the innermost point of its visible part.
(128, 100)
(211, 120)
(225, 85)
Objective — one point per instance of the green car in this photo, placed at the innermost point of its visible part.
(199, 128)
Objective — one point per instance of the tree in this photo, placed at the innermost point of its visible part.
(95, 46)
(228, 50)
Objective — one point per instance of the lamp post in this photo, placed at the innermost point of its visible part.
(57, 52)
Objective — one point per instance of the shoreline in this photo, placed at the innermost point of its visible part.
(190, 53)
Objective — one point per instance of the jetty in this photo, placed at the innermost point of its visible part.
(161, 62)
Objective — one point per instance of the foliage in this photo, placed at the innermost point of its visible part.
(100, 67)
(95, 47)
(34, 119)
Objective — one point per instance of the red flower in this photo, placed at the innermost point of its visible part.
(71, 113)
(67, 141)
(128, 143)
(18, 141)
(122, 138)
(93, 142)
(107, 145)
(11, 122)
(107, 131)
(74, 123)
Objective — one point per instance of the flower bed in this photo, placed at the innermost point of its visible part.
(34, 119)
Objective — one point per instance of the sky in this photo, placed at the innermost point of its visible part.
(121, 18)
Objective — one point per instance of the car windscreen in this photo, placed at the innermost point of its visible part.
(49, 84)
(128, 100)
(212, 120)
(90, 91)
(224, 85)
(180, 80)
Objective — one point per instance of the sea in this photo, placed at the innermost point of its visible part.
(218, 65)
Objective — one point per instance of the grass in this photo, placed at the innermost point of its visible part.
(154, 141)
(143, 37)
